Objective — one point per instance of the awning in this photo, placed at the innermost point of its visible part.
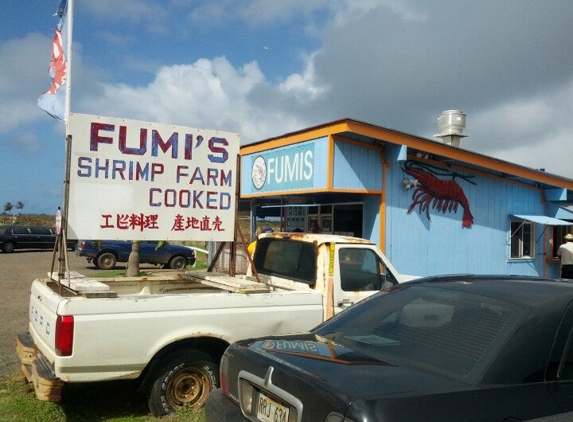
(543, 219)
(561, 210)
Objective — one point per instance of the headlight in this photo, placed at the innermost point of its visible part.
(246, 393)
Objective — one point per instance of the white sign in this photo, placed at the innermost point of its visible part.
(134, 180)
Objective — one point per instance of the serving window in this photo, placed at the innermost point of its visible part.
(522, 242)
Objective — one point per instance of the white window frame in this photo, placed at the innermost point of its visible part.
(521, 240)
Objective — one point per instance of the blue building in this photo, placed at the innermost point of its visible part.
(431, 206)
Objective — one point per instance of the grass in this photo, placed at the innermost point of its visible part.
(94, 402)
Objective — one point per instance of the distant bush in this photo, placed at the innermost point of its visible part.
(29, 220)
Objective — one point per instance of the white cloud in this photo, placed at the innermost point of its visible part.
(24, 77)
(208, 94)
(350, 11)
(536, 131)
(17, 113)
(25, 59)
(304, 86)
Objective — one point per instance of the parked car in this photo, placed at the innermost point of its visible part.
(456, 348)
(29, 237)
(106, 253)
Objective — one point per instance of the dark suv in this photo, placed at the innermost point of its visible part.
(29, 237)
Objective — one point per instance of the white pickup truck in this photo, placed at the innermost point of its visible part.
(171, 333)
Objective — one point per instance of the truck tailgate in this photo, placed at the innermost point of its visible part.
(42, 317)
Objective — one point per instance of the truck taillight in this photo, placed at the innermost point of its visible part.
(64, 335)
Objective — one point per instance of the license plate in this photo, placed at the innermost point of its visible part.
(269, 410)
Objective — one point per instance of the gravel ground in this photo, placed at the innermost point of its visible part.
(17, 271)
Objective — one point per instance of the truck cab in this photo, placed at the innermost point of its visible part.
(345, 269)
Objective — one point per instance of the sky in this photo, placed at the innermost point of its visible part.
(264, 68)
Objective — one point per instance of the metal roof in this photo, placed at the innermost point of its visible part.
(456, 156)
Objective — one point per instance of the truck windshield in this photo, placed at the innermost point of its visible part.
(286, 258)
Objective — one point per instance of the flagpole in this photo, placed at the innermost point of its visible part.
(70, 27)
(64, 267)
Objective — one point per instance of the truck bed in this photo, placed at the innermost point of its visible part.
(176, 283)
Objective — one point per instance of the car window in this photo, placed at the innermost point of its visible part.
(20, 230)
(41, 230)
(446, 331)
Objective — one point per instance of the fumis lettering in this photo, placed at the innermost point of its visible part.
(151, 142)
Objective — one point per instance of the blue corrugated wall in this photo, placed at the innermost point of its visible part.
(439, 245)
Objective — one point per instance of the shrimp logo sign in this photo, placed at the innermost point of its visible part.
(134, 180)
(259, 172)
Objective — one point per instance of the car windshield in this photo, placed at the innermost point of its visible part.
(450, 332)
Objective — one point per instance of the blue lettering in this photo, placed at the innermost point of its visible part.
(222, 153)
(87, 170)
(157, 142)
(132, 151)
(153, 202)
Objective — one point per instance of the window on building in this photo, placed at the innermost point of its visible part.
(522, 239)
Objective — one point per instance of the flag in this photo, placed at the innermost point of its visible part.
(53, 101)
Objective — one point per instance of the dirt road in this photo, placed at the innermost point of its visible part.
(17, 271)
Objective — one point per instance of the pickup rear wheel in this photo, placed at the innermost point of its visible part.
(185, 380)
(178, 263)
(106, 261)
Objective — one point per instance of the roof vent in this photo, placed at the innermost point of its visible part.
(451, 124)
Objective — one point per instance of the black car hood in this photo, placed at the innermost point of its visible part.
(353, 374)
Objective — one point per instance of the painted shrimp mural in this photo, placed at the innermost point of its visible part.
(440, 194)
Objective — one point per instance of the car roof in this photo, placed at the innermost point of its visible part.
(525, 290)
(477, 277)
(24, 226)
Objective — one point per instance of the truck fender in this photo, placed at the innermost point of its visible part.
(211, 347)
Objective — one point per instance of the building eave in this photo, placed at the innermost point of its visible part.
(430, 146)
